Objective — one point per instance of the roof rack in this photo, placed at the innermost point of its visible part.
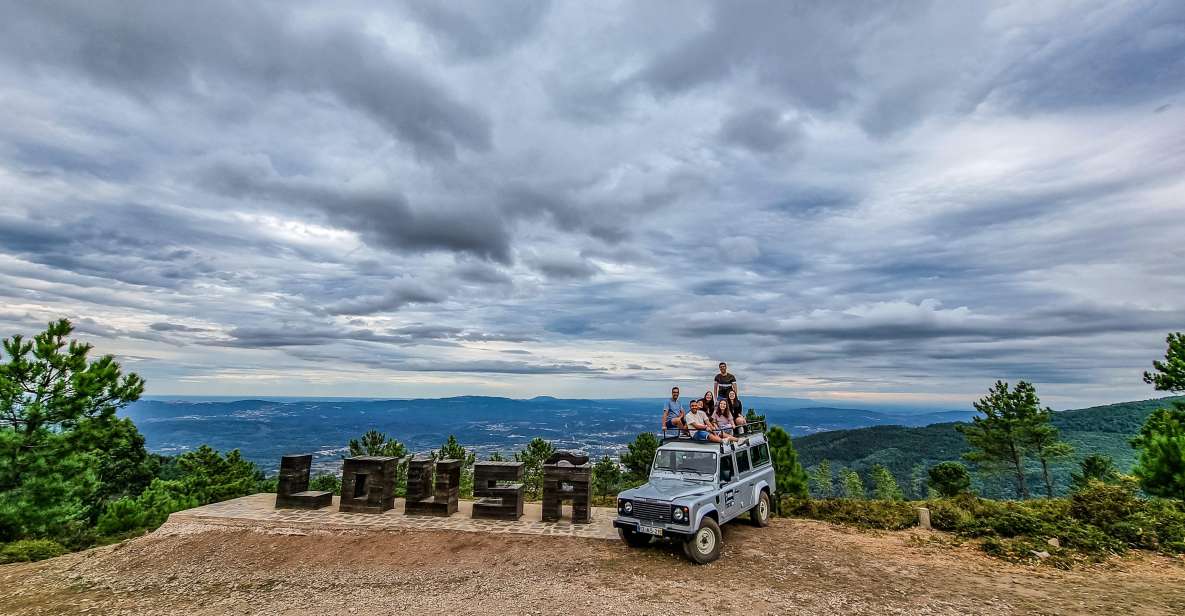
(752, 427)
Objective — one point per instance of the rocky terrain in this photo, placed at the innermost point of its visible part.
(792, 567)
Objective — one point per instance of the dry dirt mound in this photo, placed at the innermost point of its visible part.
(792, 567)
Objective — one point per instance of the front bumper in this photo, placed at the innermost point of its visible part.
(668, 530)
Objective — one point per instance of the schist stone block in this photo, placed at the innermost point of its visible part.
(567, 476)
(499, 491)
(368, 484)
(293, 491)
(444, 494)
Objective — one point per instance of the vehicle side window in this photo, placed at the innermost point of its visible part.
(726, 469)
(743, 461)
(760, 455)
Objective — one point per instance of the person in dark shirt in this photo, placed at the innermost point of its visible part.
(725, 383)
(709, 402)
(738, 412)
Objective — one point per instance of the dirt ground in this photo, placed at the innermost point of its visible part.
(792, 567)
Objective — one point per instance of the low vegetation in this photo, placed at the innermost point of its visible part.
(1099, 521)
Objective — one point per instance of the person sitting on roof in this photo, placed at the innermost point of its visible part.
(705, 430)
(738, 412)
(723, 417)
(672, 412)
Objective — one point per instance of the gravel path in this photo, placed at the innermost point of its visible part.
(792, 567)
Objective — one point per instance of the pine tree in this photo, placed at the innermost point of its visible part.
(822, 480)
(917, 482)
(949, 479)
(853, 486)
(791, 479)
(1095, 467)
(640, 456)
(533, 457)
(1002, 437)
(606, 477)
(375, 443)
(64, 455)
(1161, 441)
(884, 485)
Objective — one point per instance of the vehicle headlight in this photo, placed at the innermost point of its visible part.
(627, 507)
(679, 515)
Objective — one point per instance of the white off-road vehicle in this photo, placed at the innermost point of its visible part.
(694, 488)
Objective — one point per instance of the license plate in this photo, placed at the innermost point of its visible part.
(650, 530)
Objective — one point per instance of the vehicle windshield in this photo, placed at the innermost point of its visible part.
(694, 462)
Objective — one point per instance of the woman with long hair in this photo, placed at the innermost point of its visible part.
(734, 405)
(709, 403)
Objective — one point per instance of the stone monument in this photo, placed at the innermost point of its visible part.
(293, 490)
(368, 484)
(444, 494)
(567, 476)
(499, 491)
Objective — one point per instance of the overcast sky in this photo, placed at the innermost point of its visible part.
(852, 201)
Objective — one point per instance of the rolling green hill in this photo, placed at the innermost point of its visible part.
(907, 452)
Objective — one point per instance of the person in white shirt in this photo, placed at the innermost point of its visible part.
(704, 429)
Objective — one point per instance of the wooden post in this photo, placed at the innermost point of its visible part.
(923, 518)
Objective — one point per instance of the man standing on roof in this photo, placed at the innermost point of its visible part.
(672, 412)
(725, 383)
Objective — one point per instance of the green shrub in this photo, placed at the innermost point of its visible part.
(28, 550)
(885, 515)
(1105, 505)
(948, 515)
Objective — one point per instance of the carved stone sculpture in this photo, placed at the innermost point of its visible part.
(293, 490)
(444, 494)
(368, 484)
(499, 491)
(567, 476)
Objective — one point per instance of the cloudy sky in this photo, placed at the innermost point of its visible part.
(853, 201)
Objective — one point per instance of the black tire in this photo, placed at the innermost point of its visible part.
(704, 546)
(633, 538)
(760, 512)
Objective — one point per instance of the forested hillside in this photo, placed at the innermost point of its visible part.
(907, 452)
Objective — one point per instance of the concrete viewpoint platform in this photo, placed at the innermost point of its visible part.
(258, 510)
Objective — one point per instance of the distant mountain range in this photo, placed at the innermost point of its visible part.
(904, 450)
(265, 429)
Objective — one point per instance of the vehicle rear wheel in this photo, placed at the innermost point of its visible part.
(704, 546)
(633, 538)
(760, 513)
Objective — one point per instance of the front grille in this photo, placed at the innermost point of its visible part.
(656, 512)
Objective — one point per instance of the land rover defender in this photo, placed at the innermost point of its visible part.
(694, 488)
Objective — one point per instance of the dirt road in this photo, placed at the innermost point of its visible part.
(792, 567)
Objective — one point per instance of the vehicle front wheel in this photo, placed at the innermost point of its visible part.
(704, 546)
(633, 538)
(760, 513)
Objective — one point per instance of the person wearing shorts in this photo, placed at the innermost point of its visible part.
(701, 426)
(672, 412)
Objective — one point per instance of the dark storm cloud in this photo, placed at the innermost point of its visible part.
(155, 50)
(383, 218)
